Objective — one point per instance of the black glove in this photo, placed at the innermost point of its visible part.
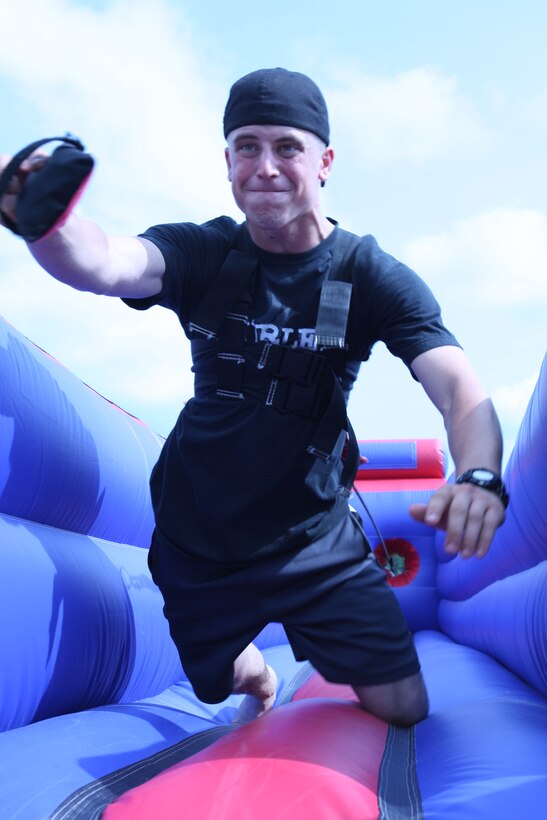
(50, 193)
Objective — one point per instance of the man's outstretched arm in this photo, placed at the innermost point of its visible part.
(82, 255)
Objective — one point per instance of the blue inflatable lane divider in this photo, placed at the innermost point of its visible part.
(68, 457)
(395, 455)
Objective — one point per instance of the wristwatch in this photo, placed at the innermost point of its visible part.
(482, 477)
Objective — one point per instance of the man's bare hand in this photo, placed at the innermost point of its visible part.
(469, 514)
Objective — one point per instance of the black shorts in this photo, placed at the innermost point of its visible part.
(331, 597)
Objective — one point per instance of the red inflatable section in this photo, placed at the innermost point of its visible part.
(395, 465)
(317, 687)
(312, 758)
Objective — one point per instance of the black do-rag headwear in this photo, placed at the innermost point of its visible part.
(275, 96)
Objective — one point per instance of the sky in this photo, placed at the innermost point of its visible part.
(438, 122)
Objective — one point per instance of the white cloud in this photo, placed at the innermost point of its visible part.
(512, 400)
(130, 82)
(416, 116)
(499, 257)
(532, 112)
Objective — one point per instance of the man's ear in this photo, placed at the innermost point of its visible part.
(327, 158)
(228, 163)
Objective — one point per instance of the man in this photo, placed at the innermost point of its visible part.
(251, 490)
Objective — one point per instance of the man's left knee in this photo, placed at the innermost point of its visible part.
(403, 702)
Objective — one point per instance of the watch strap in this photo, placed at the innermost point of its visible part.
(494, 485)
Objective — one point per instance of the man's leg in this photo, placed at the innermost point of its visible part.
(254, 678)
(402, 702)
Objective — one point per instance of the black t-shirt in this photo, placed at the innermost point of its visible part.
(234, 480)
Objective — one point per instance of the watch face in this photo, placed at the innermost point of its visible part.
(483, 475)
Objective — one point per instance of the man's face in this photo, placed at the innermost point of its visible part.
(275, 171)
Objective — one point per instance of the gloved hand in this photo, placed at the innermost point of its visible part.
(48, 194)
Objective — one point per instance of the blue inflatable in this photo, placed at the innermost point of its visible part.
(97, 717)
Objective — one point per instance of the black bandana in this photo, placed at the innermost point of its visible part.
(275, 96)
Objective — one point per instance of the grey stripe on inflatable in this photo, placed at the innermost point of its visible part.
(298, 679)
(399, 795)
(91, 800)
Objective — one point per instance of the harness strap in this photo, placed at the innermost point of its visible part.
(294, 363)
(332, 316)
(290, 380)
(352, 460)
(330, 331)
(303, 383)
(334, 303)
(227, 288)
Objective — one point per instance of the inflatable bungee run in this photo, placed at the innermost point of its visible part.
(97, 717)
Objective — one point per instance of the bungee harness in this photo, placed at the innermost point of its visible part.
(292, 380)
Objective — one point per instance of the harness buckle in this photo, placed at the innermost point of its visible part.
(324, 456)
(201, 331)
(230, 372)
(299, 399)
(298, 365)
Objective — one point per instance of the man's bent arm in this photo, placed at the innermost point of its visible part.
(470, 514)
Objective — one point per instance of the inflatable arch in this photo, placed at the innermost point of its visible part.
(97, 717)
